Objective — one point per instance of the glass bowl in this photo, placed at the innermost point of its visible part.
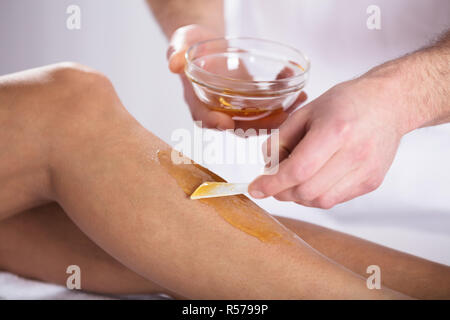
(247, 78)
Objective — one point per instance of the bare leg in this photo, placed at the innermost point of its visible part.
(41, 243)
(400, 271)
(88, 154)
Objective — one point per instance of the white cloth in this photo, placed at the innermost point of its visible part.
(13, 287)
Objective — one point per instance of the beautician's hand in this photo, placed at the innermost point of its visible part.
(341, 145)
(336, 148)
(181, 40)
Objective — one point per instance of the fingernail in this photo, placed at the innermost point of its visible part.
(257, 194)
(170, 52)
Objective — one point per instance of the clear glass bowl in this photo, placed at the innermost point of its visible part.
(246, 78)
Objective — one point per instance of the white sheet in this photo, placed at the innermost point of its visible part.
(13, 287)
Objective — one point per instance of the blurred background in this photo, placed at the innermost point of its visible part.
(410, 212)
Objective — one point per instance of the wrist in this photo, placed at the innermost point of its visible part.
(414, 89)
(173, 14)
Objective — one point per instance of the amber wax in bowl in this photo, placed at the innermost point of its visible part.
(246, 78)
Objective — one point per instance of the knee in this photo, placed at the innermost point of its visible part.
(79, 82)
(84, 102)
(83, 93)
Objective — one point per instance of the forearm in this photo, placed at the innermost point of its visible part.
(173, 14)
(405, 273)
(418, 85)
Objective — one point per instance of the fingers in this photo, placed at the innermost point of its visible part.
(283, 152)
(272, 121)
(349, 187)
(181, 40)
(302, 97)
(291, 131)
(311, 153)
(286, 72)
(329, 175)
(354, 185)
(177, 61)
(211, 119)
(177, 48)
(294, 129)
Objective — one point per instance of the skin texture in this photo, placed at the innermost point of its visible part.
(85, 152)
(341, 145)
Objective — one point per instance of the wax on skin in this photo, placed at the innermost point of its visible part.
(238, 211)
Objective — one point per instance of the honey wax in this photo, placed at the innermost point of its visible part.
(239, 211)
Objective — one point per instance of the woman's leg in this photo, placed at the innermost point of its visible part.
(411, 275)
(42, 242)
(70, 140)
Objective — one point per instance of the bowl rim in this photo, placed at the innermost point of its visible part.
(189, 62)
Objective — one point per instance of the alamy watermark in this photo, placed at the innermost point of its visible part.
(208, 147)
(374, 280)
(374, 19)
(74, 280)
(73, 21)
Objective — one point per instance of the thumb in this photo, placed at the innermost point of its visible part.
(177, 49)
(181, 40)
(291, 132)
(176, 60)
